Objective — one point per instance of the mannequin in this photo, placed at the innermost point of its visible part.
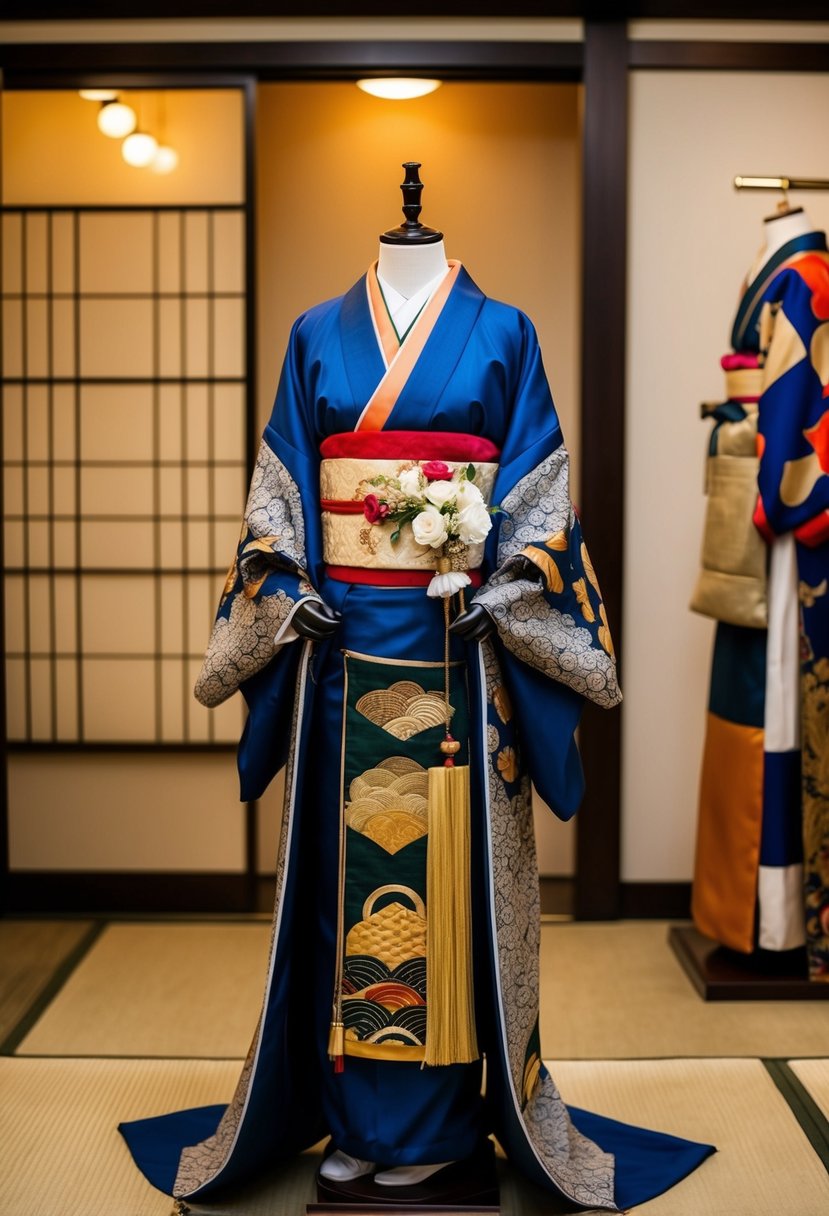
(776, 814)
(778, 229)
(411, 260)
(411, 265)
(410, 743)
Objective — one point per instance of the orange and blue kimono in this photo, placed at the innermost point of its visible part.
(762, 868)
(357, 720)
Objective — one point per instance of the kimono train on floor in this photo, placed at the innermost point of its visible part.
(762, 868)
(359, 719)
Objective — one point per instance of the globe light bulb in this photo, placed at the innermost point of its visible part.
(116, 119)
(398, 88)
(165, 160)
(139, 149)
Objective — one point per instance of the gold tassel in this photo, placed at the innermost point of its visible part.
(336, 1044)
(450, 1027)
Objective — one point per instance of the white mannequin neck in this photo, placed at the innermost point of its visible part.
(408, 268)
(778, 230)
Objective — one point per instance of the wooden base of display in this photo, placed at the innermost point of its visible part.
(466, 1186)
(719, 974)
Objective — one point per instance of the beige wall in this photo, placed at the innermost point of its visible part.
(501, 166)
(692, 239)
(89, 811)
(121, 812)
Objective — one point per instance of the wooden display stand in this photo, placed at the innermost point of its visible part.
(469, 1186)
(720, 974)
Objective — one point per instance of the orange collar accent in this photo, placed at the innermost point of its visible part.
(403, 356)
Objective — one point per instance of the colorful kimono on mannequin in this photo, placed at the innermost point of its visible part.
(762, 869)
(359, 720)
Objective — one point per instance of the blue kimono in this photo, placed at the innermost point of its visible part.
(352, 719)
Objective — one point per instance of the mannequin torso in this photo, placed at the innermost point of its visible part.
(778, 230)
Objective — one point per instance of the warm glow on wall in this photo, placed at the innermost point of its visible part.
(398, 88)
(165, 160)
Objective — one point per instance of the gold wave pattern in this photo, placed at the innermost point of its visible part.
(389, 803)
(403, 709)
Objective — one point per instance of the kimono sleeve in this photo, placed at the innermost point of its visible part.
(269, 576)
(543, 594)
(793, 411)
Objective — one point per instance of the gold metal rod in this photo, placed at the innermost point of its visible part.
(781, 183)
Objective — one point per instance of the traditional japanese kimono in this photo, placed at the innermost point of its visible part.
(358, 720)
(762, 866)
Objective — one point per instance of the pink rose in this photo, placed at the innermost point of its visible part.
(436, 470)
(373, 509)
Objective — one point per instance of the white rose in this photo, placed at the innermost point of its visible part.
(474, 523)
(441, 492)
(468, 495)
(410, 482)
(429, 527)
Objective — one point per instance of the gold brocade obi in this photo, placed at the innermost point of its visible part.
(349, 539)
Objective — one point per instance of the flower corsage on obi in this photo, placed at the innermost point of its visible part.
(446, 511)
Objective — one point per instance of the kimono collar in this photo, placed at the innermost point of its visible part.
(745, 332)
(443, 327)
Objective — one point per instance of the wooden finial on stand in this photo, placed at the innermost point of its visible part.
(411, 231)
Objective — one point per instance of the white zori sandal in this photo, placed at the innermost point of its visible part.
(409, 1175)
(339, 1167)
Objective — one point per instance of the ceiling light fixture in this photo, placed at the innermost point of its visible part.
(165, 160)
(139, 149)
(116, 119)
(398, 88)
(98, 94)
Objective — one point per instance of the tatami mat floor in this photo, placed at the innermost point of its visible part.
(106, 1023)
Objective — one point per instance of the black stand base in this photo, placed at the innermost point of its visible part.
(466, 1186)
(719, 974)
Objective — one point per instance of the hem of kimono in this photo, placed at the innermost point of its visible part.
(493, 938)
(446, 1151)
(214, 1179)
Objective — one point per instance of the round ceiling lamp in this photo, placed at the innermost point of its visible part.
(165, 160)
(139, 149)
(116, 119)
(398, 88)
(98, 94)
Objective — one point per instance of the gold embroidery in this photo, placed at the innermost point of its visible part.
(532, 1073)
(508, 764)
(580, 591)
(557, 541)
(808, 594)
(262, 544)
(389, 804)
(403, 709)
(604, 633)
(552, 578)
(588, 568)
(392, 935)
(250, 589)
(502, 703)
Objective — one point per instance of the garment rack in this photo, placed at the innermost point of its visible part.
(781, 183)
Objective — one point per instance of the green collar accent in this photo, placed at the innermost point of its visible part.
(401, 338)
